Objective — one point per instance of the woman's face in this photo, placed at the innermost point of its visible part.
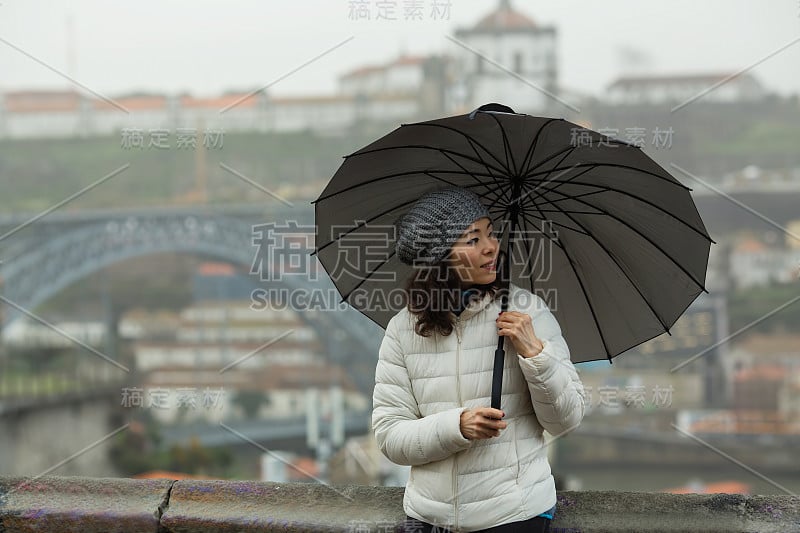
(474, 254)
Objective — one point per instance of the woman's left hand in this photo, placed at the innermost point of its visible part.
(519, 328)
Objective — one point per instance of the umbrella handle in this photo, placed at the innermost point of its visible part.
(497, 374)
(500, 352)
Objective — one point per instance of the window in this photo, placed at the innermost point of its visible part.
(518, 62)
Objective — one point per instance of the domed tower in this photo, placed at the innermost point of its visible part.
(526, 52)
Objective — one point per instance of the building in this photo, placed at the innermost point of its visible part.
(225, 359)
(793, 238)
(403, 75)
(406, 88)
(527, 52)
(770, 349)
(156, 120)
(419, 81)
(716, 87)
(754, 264)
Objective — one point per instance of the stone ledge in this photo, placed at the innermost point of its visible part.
(81, 504)
(90, 505)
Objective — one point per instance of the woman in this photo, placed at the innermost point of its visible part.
(473, 468)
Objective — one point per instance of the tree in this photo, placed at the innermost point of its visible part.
(250, 401)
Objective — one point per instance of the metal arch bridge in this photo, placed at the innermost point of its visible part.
(42, 258)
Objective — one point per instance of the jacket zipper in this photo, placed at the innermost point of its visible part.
(458, 391)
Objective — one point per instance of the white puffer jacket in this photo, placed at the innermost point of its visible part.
(422, 384)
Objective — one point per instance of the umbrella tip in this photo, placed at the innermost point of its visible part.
(493, 107)
(312, 253)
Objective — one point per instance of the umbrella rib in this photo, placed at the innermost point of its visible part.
(382, 213)
(588, 300)
(359, 226)
(572, 266)
(571, 211)
(502, 208)
(608, 253)
(494, 179)
(648, 239)
(427, 147)
(528, 249)
(525, 216)
(547, 179)
(365, 278)
(604, 188)
(571, 197)
(429, 173)
(506, 209)
(532, 147)
(548, 158)
(459, 132)
(614, 165)
(547, 219)
(488, 190)
(501, 189)
(388, 176)
(506, 146)
(487, 186)
(506, 197)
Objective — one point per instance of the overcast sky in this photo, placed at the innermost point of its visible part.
(206, 47)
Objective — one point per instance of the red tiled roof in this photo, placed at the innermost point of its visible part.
(505, 18)
(774, 343)
(35, 101)
(724, 487)
(762, 372)
(403, 60)
(362, 71)
(407, 60)
(220, 102)
(210, 268)
(750, 245)
(301, 468)
(311, 99)
(133, 103)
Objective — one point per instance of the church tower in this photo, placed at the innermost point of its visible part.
(508, 38)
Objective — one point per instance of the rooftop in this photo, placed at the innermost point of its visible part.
(505, 17)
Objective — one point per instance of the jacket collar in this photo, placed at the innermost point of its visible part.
(476, 306)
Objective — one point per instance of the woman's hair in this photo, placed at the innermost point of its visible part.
(432, 292)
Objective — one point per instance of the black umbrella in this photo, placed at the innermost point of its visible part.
(605, 235)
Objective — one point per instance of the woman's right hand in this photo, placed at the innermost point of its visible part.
(482, 423)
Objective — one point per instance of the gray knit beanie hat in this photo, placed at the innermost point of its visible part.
(427, 231)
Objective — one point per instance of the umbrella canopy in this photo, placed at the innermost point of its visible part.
(608, 238)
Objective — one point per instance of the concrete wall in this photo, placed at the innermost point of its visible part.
(164, 506)
(36, 437)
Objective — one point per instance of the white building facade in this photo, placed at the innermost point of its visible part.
(507, 58)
